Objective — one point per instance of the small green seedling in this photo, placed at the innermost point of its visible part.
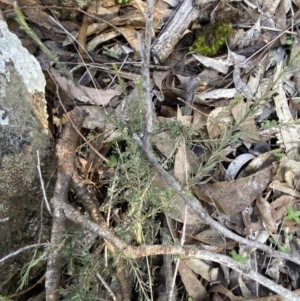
(268, 123)
(284, 249)
(190, 299)
(237, 257)
(291, 214)
(123, 1)
(272, 240)
(112, 161)
(278, 155)
(281, 248)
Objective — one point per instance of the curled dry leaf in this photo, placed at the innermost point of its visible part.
(215, 94)
(290, 134)
(215, 64)
(289, 172)
(215, 239)
(194, 287)
(233, 197)
(261, 162)
(264, 211)
(84, 94)
(176, 208)
(217, 122)
(226, 292)
(205, 270)
(167, 148)
(182, 167)
(277, 185)
(246, 123)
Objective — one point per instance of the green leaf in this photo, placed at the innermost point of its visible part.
(237, 257)
(123, 1)
(292, 215)
(272, 240)
(284, 249)
(112, 161)
(289, 42)
(278, 155)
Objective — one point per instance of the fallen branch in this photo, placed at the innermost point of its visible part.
(65, 152)
(133, 252)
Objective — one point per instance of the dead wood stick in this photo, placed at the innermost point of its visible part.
(65, 152)
(172, 33)
(90, 203)
(134, 252)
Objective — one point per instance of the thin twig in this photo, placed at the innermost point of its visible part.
(198, 208)
(107, 287)
(42, 183)
(134, 252)
(145, 56)
(15, 253)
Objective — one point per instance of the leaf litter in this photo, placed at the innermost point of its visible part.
(245, 96)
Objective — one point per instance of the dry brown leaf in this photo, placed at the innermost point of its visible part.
(218, 65)
(289, 171)
(130, 34)
(240, 85)
(200, 267)
(264, 211)
(215, 94)
(200, 116)
(182, 167)
(193, 286)
(279, 206)
(166, 146)
(159, 78)
(214, 238)
(250, 36)
(261, 162)
(289, 134)
(186, 120)
(224, 291)
(177, 205)
(217, 122)
(84, 94)
(99, 39)
(247, 125)
(283, 7)
(276, 185)
(232, 197)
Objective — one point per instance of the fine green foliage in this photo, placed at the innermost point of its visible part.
(81, 267)
(268, 123)
(292, 215)
(3, 298)
(132, 201)
(210, 41)
(281, 248)
(112, 161)
(237, 257)
(123, 1)
(22, 22)
(284, 249)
